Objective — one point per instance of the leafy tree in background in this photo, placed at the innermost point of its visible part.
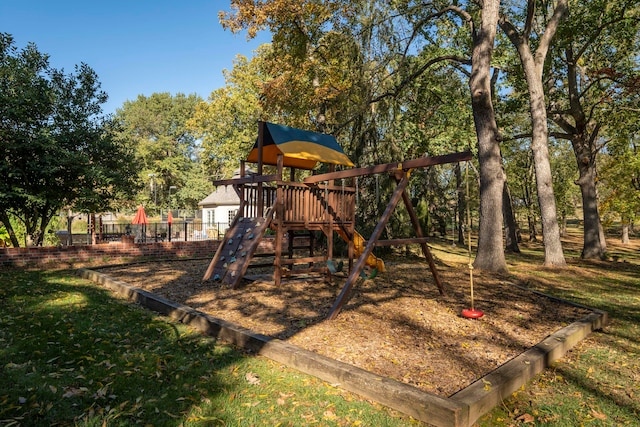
(57, 150)
(596, 52)
(620, 172)
(386, 38)
(532, 45)
(166, 151)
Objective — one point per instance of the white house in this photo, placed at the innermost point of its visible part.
(219, 208)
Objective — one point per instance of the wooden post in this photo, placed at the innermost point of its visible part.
(355, 273)
(279, 223)
(425, 248)
(328, 214)
(260, 204)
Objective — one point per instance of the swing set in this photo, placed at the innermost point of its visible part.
(316, 203)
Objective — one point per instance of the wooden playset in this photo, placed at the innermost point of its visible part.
(317, 204)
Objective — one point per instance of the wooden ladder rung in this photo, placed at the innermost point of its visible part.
(306, 260)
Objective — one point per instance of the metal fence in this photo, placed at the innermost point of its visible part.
(153, 232)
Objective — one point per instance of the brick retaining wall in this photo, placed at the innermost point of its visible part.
(54, 256)
(106, 252)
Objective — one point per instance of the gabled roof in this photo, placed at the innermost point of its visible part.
(224, 195)
(300, 148)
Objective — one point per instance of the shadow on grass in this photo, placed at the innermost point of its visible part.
(70, 354)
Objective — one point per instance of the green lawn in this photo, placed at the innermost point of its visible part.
(73, 354)
(598, 382)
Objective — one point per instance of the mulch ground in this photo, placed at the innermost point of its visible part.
(396, 325)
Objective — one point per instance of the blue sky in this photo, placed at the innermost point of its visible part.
(135, 46)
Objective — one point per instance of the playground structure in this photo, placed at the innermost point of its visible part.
(316, 204)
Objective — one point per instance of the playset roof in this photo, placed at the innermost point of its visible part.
(301, 149)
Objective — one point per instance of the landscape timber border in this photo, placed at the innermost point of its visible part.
(461, 409)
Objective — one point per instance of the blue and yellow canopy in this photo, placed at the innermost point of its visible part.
(300, 148)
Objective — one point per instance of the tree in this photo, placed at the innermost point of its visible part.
(166, 151)
(490, 255)
(532, 65)
(596, 48)
(620, 172)
(58, 151)
(386, 64)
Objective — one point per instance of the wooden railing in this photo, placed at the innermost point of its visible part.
(252, 196)
(303, 204)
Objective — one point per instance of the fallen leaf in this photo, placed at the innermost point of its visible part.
(526, 418)
(252, 378)
(598, 415)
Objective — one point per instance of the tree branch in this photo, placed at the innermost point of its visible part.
(552, 27)
(561, 135)
(596, 34)
(518, 136)
(418, 26)
(531, 13)
(564, 124)
(411, 77)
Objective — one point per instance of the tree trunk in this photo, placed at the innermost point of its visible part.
(625, 232)
(583, 134)
(533, 68)
(592, 247)
(563, 226)
(511, 227)
(531, 221)
(4, 218)
(553, 255)
(490, 255)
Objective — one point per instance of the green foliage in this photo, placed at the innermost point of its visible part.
(57, 150)
(621, 176)
(166, 151)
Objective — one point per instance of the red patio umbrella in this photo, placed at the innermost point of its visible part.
(169, 218)
(141, 217)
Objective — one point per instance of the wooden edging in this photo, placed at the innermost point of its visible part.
(460, 410)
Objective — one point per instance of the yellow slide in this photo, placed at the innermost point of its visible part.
(358, 245)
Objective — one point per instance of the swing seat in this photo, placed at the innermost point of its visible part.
(471, 313)
(371, 275)
(333, 268)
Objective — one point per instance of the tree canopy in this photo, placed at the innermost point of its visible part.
(58, 150)
(166, 150)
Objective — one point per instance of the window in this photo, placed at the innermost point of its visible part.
(211, 217)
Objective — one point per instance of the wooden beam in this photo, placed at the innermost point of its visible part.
(306, 260)
(251, 179)
(355, 272)
(420, 162)
(425, 249)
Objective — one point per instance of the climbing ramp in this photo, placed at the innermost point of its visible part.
(236, 249)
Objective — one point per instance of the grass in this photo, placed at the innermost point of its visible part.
(73, 354)
(598, 382)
